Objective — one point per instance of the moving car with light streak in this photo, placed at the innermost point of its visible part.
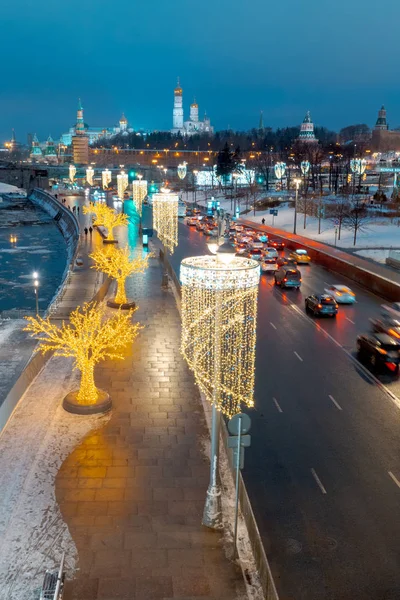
(380, 350)
(300, 256)
(287, 276)
(268, 265)
(389, 326)
(341, 293)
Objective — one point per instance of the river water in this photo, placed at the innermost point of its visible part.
(39, 247)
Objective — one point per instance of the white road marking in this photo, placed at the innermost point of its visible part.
(317, 479)
(347, 319)
(272, 325)
(277, 405)
(298, 356)
(397, 482)
(335, 402)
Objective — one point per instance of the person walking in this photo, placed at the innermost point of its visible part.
(77, 209)
(73, 209)
(90, 230)
(263, 221)
(86, 231)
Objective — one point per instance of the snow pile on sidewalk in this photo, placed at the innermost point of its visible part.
(34, 444)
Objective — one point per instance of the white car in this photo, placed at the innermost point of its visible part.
(271, 253)
(341, 293)
(268, 265)
(255, 245)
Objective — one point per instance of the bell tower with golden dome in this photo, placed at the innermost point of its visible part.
(177, 115)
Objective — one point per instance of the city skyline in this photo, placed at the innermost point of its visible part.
(283, 61)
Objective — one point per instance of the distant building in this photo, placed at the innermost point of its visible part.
(50, 152)
(95, 133)
(193, 125)
(307, 130)
(383, 139)
(36, 154)
(80, 141)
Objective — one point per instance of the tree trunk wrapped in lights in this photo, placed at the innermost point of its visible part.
(219, 311)
(118, 264)
(165, 218)
(107, 217)
(122, 184)
(105, 178)
(88, 338)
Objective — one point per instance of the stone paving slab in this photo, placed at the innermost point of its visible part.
(132, 493)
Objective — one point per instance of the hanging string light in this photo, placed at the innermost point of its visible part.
(105, 178)
(165, 218)
(305, 167)
(280, 169)
(139, 193)
(89, 175)
(358, 166)
(219, 312)
(122, 184)
(72, 173)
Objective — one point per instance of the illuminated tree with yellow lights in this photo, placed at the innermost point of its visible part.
(88, 338)
(118, 264)
(107, 217)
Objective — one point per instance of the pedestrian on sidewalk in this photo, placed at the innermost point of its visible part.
(263, 221)
(90, 230)
(86, 231)
(73, 209)
(77, 209)
(69, 208)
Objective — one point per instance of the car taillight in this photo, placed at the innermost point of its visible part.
(319, 306)
(284, 279)
(393, 333)
(381, 351)
(391, 366)
(300, 279)
(338, 293)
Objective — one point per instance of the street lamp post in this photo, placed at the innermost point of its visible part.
(195, 172)
(297, 184)
(235, 176)
(35, 276)
(219, 307)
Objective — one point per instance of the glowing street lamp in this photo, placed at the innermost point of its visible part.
(195, 173)
(35, 276)
(219, 311)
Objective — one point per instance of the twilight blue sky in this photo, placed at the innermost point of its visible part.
(338, 59)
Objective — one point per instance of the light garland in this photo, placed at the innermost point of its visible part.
(305, 167)
(72, 173)
(118, 264)
(280, 169)
(107, 217)
(89, 175)
(88, 339)
(219, 312)
(358, 166)
(122, 184)
(105, 178)
(165, 219)
(139, 193)
(182, 170)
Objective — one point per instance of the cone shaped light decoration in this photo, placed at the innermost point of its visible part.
(105, 178)
(219, 313)
(280, 169)
(182, 170)
(72, 173)
(139, 193)
(122, 184)
(89, 175)
(305, 167)
(165, 218)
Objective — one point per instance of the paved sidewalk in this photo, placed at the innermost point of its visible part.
(132, 493)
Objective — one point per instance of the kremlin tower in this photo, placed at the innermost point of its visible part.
(193, 125)
(307, 130)
(36, 153)
(80, 141)
(381, 123)
(177, 114)
(50, 153)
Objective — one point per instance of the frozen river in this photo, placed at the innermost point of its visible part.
(39, 247)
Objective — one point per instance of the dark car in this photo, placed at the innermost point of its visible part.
(380, 350)
(321, 304)
(284, 260)
(288, 277)
(277, 244)
(255, 253)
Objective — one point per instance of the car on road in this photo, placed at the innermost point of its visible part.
(380, 350)
(192, 221)
(287, 276)
(201, 225)
(255, 253)
(268, 265)
(341, 293)
(211, 230)
(277, 244)
(262, 237)
(321, 304)
(285, 260)
(300, 256)
(389, 326)
(254, 245)
(241, 248)
(270, 252)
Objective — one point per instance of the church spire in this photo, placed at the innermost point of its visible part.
(80, 124)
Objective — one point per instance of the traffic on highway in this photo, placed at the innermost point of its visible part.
(323, 470)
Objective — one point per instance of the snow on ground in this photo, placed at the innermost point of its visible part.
(6, 188)
(378, 255)
(33, 445)
(377, 233)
